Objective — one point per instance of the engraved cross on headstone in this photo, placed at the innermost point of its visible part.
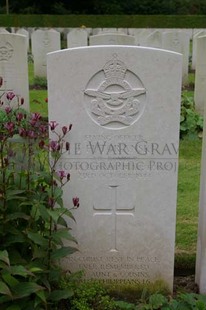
(113, 212)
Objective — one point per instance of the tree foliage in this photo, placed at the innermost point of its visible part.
(139, 7)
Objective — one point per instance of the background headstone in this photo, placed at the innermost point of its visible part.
(43, 42)
(194, 46)
(14, 67)
(179, 42)
(111, 39)
(77, 37)
(200, 75)
(25, 33)
(124, 104)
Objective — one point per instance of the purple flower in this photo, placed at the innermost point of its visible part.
(8, 110)
(53, 125)
(51, 201)
(64, 130)
(76, 202)
(9, 126)
(10, 95)
(61, 174)
(35, 117)
(22, 132)
(22, 101)
(43, 128)
(54, 146)
(31, 134)
(19, 117)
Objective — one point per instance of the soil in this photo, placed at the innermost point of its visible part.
(185, 284)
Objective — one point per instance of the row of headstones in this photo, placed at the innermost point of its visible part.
(45, 41)
(124, 104)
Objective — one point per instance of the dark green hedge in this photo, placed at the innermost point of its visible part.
(96, 21)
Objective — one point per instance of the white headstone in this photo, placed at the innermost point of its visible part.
(200, 272)
(14, 67)
(96, 31)
(154, 39)
(140, 35)
(178, 41)
(124, 104)
(43, 42)
(108, 30)
(111, 39)
(194, 47)
(200, 75)
(77, 37)
(3, 30)
(122, 30)
(25, 33)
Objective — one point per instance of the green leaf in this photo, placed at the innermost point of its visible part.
(17, 215)
(39, 252)
(42, 296)
(125, 305)
(14, 307)
(61, 294)
(61, 221)
(38, 239)
(15, 192)
(9, 279)
(157, 300)
(4, 289)
(35, 269)
(54, 214)
(20, 271)
(62, 252)
(25, 289)
(63, 234)
(4, 257)
(44, 213)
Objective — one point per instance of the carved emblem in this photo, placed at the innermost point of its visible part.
(117, 101)
(6, 51)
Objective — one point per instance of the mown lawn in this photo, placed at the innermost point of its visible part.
(188, 200)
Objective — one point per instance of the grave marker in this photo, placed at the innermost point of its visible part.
(43, 42)
(124, 104)
(111, 39)
(200, 75)
(14, 68)
(77, 37)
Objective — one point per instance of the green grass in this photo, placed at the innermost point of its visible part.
(188, 200)
(37, 102)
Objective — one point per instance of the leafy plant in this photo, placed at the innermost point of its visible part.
(32, 215)
(191, 123)
(90, 295)
(39, 82)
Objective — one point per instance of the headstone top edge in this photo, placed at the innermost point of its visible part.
(131, 47)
